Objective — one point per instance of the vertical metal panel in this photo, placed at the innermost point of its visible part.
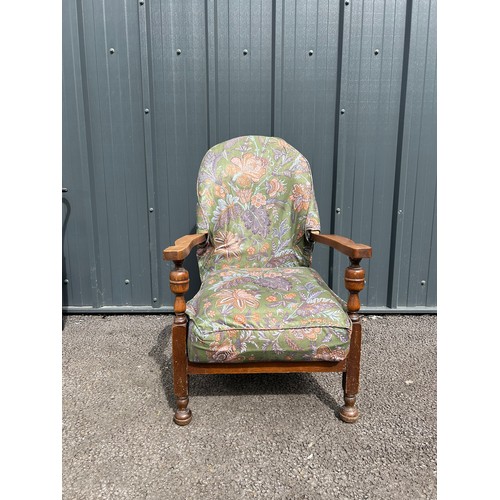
(119, 162)
(148, 159)
(116, 114)
(414, 261)
(79, 268)
(243, 80)
(372, 63)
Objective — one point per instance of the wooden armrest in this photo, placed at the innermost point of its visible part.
(344, 245)
(183, 246)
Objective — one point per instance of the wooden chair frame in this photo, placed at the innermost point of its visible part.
(183, 368)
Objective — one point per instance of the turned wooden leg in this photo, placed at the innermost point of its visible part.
(350, 378)
(179, 284)
(182, 415)
(354, 282)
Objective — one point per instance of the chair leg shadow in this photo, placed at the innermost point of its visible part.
(324, 396)
(236, 385)
(164, 362)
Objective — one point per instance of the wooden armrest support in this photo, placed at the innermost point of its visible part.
(344, 245)
(183, 246)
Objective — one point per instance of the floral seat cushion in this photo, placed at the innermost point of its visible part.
(263, 314)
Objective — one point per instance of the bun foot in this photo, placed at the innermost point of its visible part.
(349, 413)
(183, 417)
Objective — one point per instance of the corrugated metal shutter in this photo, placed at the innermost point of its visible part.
(149, 87)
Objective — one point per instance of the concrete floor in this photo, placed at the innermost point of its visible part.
(252, 436)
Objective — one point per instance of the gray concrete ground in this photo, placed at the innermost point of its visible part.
(252, 436)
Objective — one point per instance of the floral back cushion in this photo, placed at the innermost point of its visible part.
(256, 200)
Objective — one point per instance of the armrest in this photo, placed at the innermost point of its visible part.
(344, 245)
(183, 246)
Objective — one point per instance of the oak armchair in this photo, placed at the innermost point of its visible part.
(261, 308)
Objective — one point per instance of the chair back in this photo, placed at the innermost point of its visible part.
(256, 200)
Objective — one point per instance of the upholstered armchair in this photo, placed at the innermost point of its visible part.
(261, 308)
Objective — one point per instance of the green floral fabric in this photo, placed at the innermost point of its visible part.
(256, 200)
(262, 314)
(259, 299)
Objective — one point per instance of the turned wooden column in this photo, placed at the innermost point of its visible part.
(179, 285)
(354, 280)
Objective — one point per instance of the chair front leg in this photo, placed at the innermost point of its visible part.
(179, 284)
(354, 282)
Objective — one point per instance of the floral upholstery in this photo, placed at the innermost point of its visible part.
(259, 298)
(256, 200)
(263, 314)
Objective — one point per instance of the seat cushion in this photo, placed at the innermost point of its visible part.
(266, 314)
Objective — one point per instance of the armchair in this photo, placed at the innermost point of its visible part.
(261, 308)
